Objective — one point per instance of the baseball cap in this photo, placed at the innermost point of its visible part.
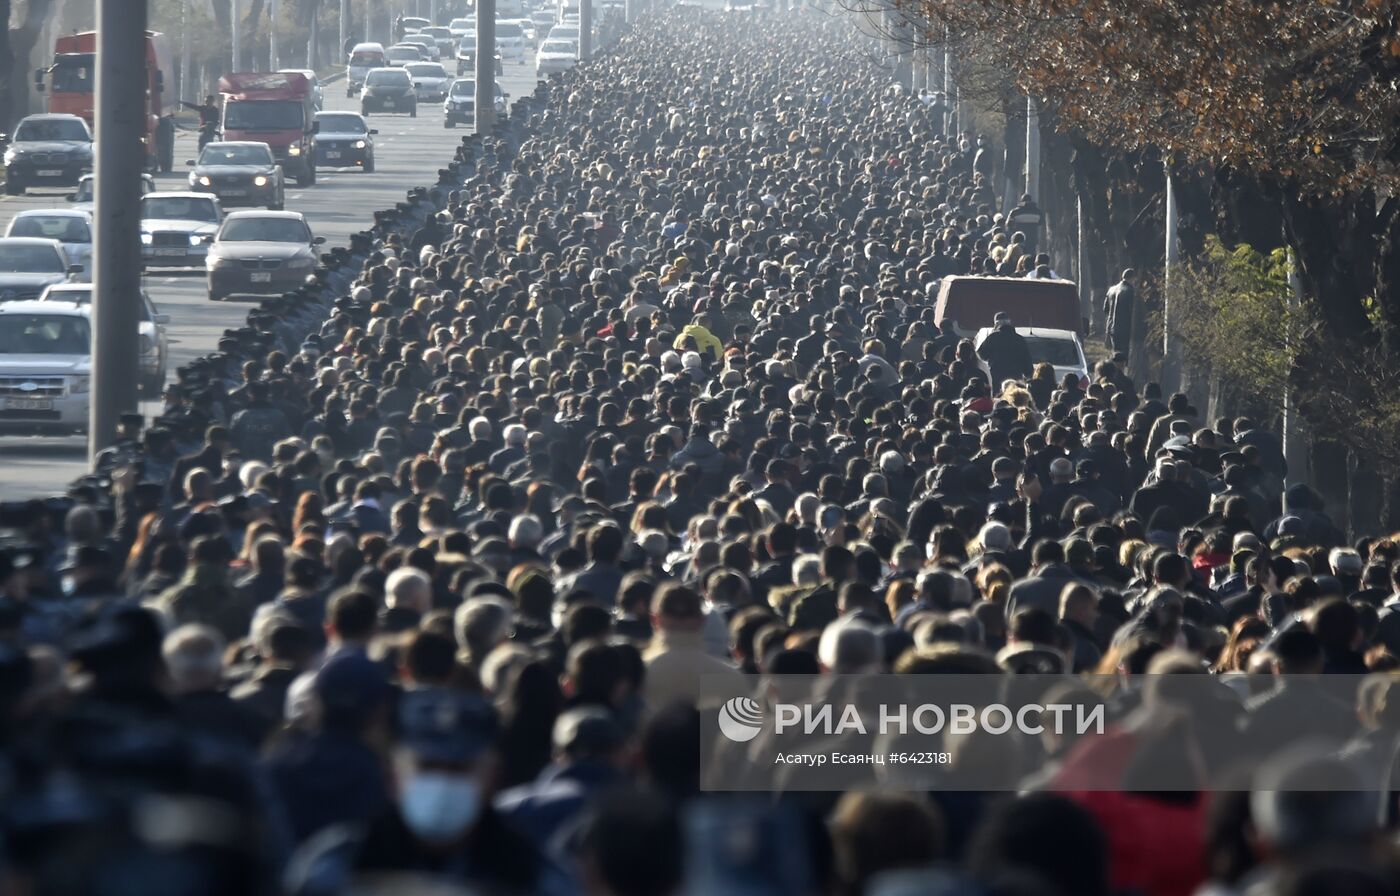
(446, 726)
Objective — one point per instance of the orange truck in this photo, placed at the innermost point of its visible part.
(276, 108)
(73, 84)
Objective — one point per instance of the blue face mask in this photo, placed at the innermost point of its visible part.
(67, 584)
(439, 806)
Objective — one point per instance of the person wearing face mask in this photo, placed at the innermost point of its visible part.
(440, 823)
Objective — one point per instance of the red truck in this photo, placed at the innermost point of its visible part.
(73, 77)
(273, 108)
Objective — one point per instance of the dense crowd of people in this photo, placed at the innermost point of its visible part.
(413, 583)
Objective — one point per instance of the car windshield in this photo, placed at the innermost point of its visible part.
(38, 130)
(465, 89)
(427, 70)
(468, 43)
(226, 154)
(1058, 352)
(263, 115)
(264, 230)
(178, 208)
(341, 124)
(557, 46)
(398, 54)
(30, 259)
(367, 57)
(396, 78)
(460, 24)
(564, 31)
(437, 32)
(45, 334)
(83, 296)
(508, 29)
(64, 228)
(75, 73)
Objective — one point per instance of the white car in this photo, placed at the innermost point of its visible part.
(566, 31)
(463, 26)
(84, 201)
(556, 55)
(30, 264)
(155, 346)
(318, 95)
(510, 41)
(424, 43)
(543, 20)
(430, 80)
(45, 367)
(70, 227)
(176, 228)
(1060, 348)
(402, 54)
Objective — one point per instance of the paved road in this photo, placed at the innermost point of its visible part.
(408, 153)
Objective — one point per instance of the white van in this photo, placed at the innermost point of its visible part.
(362, 58)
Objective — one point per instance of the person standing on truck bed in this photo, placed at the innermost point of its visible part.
(1005, 352)
(1027, 218)
(1118, 313)
(208, 113)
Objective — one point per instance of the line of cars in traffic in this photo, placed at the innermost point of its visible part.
(229, 222)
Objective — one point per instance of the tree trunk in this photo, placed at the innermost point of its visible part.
(15, 64)
(1334, 245)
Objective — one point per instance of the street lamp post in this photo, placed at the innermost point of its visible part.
(235, 14)
(121, 155)
(485, 66)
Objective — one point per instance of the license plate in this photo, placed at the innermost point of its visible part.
(332, 155)
(170, 252)
(260, 277)
(28, 404)
(235, 192)
(50, 172)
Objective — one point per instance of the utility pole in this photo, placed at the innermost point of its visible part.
(432, 11)
(235, 17)
(485, 66)
(1081, 262)
(1297, 451)
(121, 155)
(585, 29)
(272, 65)
(344, 27)
(182, 90)
(1032, 148)
(1171, 366)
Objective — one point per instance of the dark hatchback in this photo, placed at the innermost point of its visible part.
(388, 90)
(343, 140)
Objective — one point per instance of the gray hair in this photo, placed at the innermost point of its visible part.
(807, 570)
(526, 531)
(194, 657)
(410, 587)
(480, 624)
(849, 647)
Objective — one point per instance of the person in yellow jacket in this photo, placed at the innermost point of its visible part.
(705, 341)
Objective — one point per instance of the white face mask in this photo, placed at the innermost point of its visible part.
(439, 806)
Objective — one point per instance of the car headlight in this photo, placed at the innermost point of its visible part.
(260, 181)
(78, 385)
(196, 239)
(360, 144)
(294, 150)
(145, 238)
(204, 181)
(215, 261)
(300, 264)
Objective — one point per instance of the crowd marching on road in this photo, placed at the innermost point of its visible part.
(413, 582)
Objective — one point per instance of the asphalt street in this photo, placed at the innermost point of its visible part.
(408, 152)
